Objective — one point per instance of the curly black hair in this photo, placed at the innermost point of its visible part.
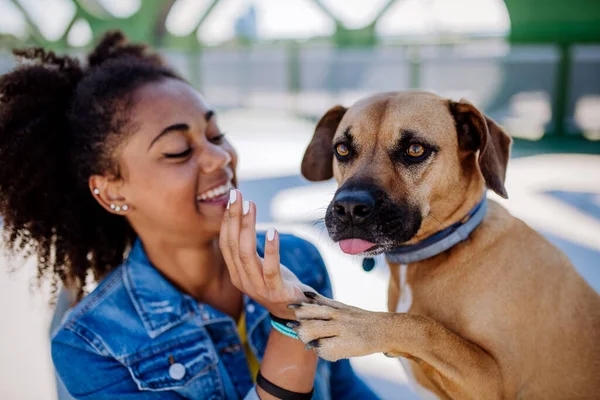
(60, 123)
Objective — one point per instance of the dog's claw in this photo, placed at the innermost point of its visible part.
(313, 344)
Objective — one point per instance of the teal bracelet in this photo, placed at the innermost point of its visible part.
(284, 329)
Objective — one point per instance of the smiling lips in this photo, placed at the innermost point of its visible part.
(215, 194)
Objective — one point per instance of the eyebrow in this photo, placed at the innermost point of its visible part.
(181, 127)
(346, 137)
(172, 128)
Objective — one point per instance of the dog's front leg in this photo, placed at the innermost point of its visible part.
(458, 368)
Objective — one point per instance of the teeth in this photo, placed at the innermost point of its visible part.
(218, 191)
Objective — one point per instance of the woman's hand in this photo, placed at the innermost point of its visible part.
(264, 280)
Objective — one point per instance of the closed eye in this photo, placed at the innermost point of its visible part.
(218, 139)
(178, 155)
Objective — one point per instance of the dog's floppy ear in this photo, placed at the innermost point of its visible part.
(317, 164)
(478, 132)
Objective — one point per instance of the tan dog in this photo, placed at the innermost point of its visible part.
(501, 315)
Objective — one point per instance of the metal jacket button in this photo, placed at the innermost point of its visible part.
(177, 371)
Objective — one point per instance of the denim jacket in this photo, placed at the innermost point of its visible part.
(137, 337)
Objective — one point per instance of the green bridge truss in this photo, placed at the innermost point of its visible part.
(562, 23)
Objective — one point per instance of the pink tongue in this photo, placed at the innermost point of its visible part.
(355, 246)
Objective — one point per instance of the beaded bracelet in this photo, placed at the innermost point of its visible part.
(279, 324)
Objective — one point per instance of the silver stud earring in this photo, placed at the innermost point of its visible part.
(125, 207)
(112, 206)
(96, 191)
(118, 209)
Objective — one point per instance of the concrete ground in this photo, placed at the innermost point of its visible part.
(557, 194)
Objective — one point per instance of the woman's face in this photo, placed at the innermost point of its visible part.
(177, 168)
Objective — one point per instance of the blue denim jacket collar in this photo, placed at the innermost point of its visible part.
(161, 306)
(158, 303)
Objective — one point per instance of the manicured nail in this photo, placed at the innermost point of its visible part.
(310, 295)
(294, 306)
(232, 196)
(246, 207)
(292, 324)
(270, 234)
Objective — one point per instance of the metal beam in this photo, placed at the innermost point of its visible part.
(327, 12)
(206, 14)
(31, 24)
(383, 10)
(91, 8)
(160, 28)
(561, 95)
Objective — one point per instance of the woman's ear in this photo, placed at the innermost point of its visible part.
(107, 192)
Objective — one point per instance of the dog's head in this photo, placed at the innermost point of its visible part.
(406, 164)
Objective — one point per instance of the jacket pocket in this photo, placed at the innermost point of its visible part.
(184, 363)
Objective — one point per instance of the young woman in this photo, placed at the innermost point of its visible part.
(117, 172)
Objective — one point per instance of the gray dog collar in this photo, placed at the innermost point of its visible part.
(441, 241)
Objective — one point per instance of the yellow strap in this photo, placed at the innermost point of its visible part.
(253, 363)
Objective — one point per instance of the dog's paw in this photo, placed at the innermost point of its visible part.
(334, 330)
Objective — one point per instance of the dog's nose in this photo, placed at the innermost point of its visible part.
(354, 206)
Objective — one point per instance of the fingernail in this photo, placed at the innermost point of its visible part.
(292, 324)
(310, 295)
(293, 306)
(270, 234)
(246, 207)
(232, 196)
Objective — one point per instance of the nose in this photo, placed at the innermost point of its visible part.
(354, 206)
(214, 158)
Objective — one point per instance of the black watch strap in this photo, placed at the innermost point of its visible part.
(282, 321)
(279, 392)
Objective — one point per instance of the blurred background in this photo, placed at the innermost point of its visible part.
(271, 68)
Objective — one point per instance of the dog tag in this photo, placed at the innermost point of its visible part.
(368, 264)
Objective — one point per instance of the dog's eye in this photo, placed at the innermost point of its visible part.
(415, 150)
(342, 150)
